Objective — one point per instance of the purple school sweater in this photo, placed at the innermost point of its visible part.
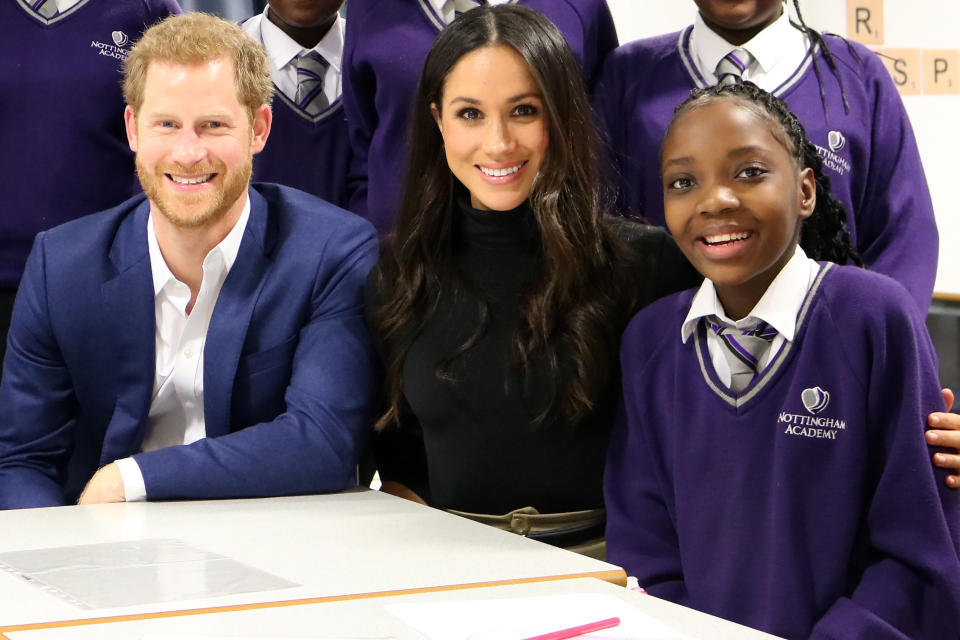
(310, 154)
(61, 117)
(386, 45)
(870, 154)
(806, 505)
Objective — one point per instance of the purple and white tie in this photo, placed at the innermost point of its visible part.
(730, 69)
(311, 68)
(46, 8)
(743, 348)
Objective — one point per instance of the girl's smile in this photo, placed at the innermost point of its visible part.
(734, 198)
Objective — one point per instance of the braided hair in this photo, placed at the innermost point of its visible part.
(824, 235)
(817, 40)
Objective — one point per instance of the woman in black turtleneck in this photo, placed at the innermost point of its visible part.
(502, 290)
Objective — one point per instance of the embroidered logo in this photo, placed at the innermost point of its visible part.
(815, 400)
(114, 49)
(836, 140)
(810, 424)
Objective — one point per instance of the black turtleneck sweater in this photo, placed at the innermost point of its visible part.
(470, 443)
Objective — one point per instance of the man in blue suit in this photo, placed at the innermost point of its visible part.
(206, 339)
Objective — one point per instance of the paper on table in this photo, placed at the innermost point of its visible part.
(179, 637)
(517, 618)
(136, 572)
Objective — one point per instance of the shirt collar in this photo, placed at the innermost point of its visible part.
(779, 306)
(283, 49)
(767, 47)
(64, 5)
(228, 248)
(445, 8)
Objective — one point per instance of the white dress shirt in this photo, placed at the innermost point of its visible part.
(779, 307)
(64, 5)
(777, 51)
(447, 8)
(176, 411)
(283, 51)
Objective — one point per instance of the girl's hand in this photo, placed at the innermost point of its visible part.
(946, 433)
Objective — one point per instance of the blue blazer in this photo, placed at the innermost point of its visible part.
(288, 367)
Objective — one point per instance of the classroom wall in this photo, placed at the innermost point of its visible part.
(924, 45)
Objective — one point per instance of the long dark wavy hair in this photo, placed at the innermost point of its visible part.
(825, 234)
(576, 304)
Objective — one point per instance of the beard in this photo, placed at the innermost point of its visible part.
(194, 211)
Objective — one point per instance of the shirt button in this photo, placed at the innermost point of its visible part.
(188, 352)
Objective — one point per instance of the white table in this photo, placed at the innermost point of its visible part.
(367, 618)
(333, 546)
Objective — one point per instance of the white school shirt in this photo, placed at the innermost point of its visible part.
(447, 9)
(283, 51)
(176, 411)
(779, 307)
(64, 5)
(777, 50)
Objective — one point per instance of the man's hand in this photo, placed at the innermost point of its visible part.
(106, 485)
(946, 433)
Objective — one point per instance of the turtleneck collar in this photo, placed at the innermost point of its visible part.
(511, 229)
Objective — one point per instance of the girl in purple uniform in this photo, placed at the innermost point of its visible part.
(840, 91)
(770, 468)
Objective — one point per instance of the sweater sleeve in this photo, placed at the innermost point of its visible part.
(359, 88)
(895, 225)
(398, 449)
(641, 536)
(401, 456)
(910, 587)
(600, 38)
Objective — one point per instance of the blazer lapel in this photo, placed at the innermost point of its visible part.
(129, 320)
(231, 317)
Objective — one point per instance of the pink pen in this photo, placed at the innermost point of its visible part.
(579, 630)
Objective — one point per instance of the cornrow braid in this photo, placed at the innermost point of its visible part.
(824, 235)
(817, 40)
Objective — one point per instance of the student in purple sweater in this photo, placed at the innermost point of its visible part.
(308, 148)
(61, 118)
(387, 42)
(771, 467)
(840, 91)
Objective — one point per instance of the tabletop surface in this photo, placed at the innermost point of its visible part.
(291, 549)
(372, 619)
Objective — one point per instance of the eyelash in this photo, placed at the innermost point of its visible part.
(674, 187)
(521, 110)
(759, 171)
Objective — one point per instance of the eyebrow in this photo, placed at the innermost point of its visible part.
(160, 115)
(516, 98)
(733, 153)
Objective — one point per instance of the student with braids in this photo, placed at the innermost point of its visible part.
(770, 466)
(840, 91)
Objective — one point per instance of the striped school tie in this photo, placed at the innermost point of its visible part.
(462, 6)
(730, 68)
(310, 70)
(46, 8)
(743, 349)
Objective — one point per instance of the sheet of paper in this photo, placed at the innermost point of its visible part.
(136, 572)
(181, 637)
(518, 618)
